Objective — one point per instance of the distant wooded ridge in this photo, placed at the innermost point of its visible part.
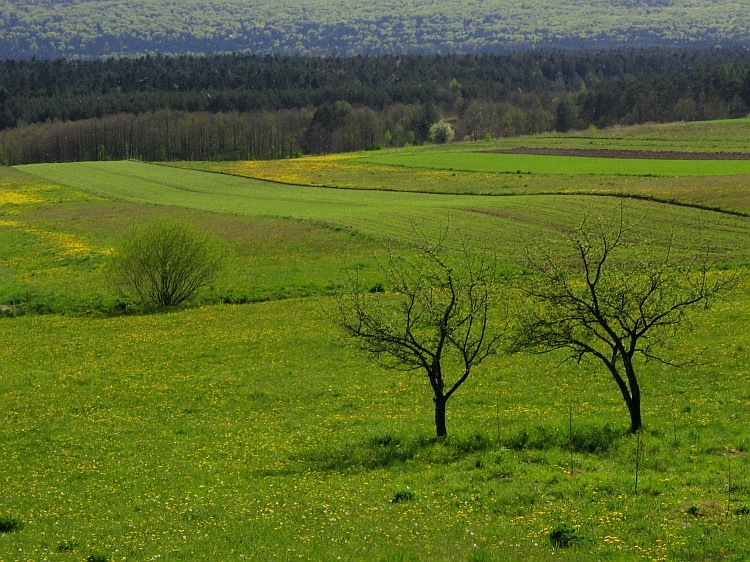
(250, 107)
(87, 28)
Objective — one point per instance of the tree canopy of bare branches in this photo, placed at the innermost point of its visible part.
(622, 299)
(436, 319)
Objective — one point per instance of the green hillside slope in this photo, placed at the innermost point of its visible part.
(95, 28)
(253, 431)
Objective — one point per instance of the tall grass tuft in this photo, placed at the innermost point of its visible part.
(10, 524)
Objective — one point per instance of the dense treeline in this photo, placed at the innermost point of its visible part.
(88, 29)
(36, 91)
(234, 106)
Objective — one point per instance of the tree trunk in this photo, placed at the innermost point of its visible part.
(634, 407)
(631, 392)
(440, 428)
(634, 403)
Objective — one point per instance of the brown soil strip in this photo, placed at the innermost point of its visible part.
(612, 153)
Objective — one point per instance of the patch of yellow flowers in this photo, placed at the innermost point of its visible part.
(310, 170)
(64, 245)
(17, 198)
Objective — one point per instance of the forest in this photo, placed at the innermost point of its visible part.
(226, 107)
(99, 28)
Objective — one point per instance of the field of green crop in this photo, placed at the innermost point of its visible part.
(473, 169)
(564, 165)
(255, 432)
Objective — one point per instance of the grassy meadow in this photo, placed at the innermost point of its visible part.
(244, 427)
(718, 185)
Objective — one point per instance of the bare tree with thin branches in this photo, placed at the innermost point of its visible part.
(621, 300)
(436, 318)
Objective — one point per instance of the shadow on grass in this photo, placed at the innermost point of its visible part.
(583, 439)
(10, 525)
(387, 450)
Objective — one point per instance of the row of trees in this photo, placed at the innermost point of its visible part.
(168, 135)
(611, 298)
(271, 107)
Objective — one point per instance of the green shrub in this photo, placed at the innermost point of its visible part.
(471, 444)
(539, 437)
(564, 535)
(380, 451)
(403, 496)
(377, 288)
(165, 262)
(10, 524)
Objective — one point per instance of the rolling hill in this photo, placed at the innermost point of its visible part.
(247, 428)
(86, 28)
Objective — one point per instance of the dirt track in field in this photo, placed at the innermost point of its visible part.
(644, 154)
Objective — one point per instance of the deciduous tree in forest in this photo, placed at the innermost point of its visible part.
(442, 132)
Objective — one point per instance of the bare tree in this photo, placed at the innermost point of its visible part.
(435, 320)
(165, 262)
(621, 300)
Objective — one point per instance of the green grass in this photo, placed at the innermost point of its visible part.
(562, 165)
(253, 431)
(473, 168)
(383, 214)
(56, 243)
